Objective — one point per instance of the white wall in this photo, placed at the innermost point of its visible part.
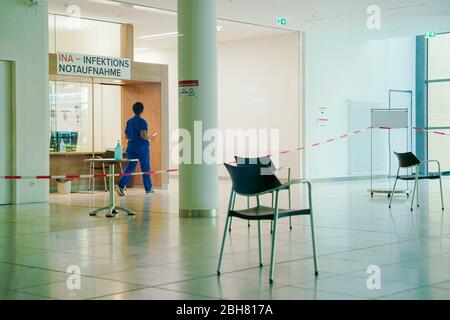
(24, 40)
(111, 116)
(258, 88)
(340, 70)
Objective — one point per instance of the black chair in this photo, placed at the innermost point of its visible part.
(248, 181)
(409, 160)
(265, 162)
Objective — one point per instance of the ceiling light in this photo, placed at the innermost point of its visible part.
(160, 36)
(156, 10)
(219, 28)
(108, 2)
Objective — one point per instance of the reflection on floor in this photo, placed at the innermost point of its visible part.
(157, 255)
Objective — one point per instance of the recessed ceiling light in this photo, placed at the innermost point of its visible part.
(160, 36)
(168, 35)
(108, 2)
(156, 10)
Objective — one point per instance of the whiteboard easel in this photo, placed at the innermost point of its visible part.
(392, 119)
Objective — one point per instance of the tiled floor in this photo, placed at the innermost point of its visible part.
(157, 255)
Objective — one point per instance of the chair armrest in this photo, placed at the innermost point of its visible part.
(294, 181)
(432, 161)
(298, 181)
(285, 168)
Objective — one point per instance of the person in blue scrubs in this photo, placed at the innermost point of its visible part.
(138, 148)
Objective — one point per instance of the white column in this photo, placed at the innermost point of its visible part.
(197, 75)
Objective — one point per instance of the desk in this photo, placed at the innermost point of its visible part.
(112, 209)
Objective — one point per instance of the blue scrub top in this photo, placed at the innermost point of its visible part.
(133, 130)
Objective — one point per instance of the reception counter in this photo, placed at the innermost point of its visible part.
(72, 163)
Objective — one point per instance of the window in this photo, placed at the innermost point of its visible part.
(70, 117)
(84, 117)
(439, 57)
(438, 100)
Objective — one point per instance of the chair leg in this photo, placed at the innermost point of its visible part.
(290, 208)
(91, 173)
(393, 192)
(271, 222)
(260, 244)
(219, 266)
(417, 193)
(233, 200)
(442, 194)
(414, 188)
(104, 178)
(313, 236)
(248, 207)
(274, 240)
(272, 255)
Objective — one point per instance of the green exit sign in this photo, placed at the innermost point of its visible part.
(282, 21)
(429, 35)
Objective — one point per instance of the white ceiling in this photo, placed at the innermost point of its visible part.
(399, 17)
(147, 22)
(341, 18)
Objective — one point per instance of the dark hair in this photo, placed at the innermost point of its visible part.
(138, 108)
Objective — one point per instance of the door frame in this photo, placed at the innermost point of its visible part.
(12, 157)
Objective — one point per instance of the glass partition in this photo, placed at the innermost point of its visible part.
(439, 57)
(438, 101)
(71, 112)
(84, 117)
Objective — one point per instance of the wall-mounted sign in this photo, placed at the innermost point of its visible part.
(83, 65)
(322, 117)
(282, 21)
(188, 88)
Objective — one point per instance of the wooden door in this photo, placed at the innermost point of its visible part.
(150, 95)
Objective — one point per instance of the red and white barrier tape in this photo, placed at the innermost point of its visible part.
(86, 176)
(283, 152)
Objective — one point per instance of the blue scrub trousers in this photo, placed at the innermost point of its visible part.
(143, 154)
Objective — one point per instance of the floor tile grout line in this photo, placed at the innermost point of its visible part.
(149, 287)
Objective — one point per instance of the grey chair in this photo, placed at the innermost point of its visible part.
(409, 160)
(102, 168)
(93, 168)
(248, 181)
(265, 162)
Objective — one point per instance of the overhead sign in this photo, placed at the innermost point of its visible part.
(83, 65)
(430, 34)
(282, 21)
